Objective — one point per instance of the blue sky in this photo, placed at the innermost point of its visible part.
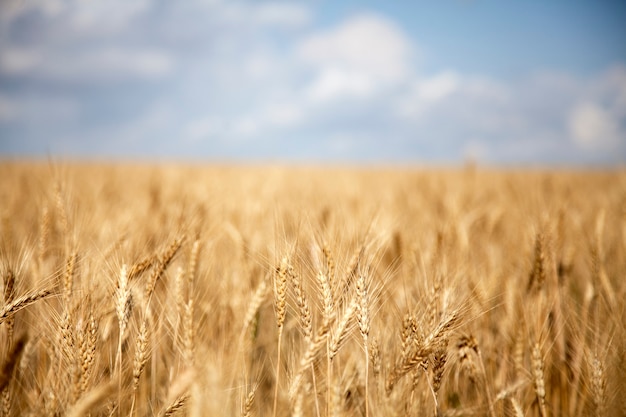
(534, 82)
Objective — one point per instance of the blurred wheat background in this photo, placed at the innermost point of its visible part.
(257, 291)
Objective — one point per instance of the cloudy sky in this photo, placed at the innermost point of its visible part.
(532, 82)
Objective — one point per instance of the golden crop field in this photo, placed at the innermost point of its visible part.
(140, 290)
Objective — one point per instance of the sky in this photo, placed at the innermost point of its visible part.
(495, 82)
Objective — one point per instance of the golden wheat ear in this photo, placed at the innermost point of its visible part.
(23, 302)
(280, 301)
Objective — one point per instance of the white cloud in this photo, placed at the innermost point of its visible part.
(593, 126)
(597, 119)
(284, 115)
(367, 43)
(245, 126)
(462, 96)
(333, 83)
(259, 65)
(438, 87)
(360, 56)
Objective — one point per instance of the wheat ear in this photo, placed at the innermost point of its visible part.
(280, 295)
(141, 354)
(9, 295)
(328, 316)
(188, 332)
(193, 266)
(517, 408)
(162, 263)
(439, 361)
(598, 385)
(302, 303)
(139, 362)
(339, 333)
(328, 308)
(419, 351)
(249, 402)
(123, 307)
(255, 303)
(364, 327)
(538, 378)
(22, 302)
(175, 406)
(139, 267)
(68, 277)
(123, 303)
(87, 347)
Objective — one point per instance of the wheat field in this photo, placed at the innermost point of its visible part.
(141, 290)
